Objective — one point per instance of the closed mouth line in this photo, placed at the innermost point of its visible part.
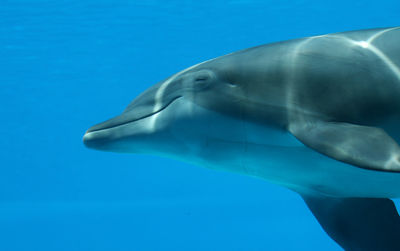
(136, 119)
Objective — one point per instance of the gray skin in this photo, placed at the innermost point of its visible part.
(318, 115)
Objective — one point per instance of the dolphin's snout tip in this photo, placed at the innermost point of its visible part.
(93, 140)
(98, 140)
(87, 139)
(86, 136)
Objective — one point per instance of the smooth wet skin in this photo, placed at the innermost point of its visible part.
(318, 115)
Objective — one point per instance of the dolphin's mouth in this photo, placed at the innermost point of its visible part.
(128, 117)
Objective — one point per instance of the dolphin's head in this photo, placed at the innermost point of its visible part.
(178, 116)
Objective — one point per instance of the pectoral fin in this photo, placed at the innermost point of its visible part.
(358, 224)
(362, 146)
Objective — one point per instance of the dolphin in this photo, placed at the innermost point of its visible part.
(318, 115)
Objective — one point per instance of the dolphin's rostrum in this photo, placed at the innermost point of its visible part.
(319, 115)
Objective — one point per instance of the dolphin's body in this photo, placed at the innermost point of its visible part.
(319, 115)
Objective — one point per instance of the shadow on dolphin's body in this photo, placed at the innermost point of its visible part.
(319, 115)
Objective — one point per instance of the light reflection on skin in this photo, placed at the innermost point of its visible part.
(367, 44)
(160, 94)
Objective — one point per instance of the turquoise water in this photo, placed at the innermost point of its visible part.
(66, 65)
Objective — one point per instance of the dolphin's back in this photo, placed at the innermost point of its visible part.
(350, 76)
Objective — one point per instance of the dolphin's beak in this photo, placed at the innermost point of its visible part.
(91, 141)
(108, 135)
(103, 136)
(98, 136)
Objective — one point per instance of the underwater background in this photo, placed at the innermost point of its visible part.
(66, 65)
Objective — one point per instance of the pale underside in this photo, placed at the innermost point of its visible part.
(272, 154)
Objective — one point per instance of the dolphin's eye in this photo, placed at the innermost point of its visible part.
(202, 76)
(202, 79)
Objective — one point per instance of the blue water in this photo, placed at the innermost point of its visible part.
(66, 65)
